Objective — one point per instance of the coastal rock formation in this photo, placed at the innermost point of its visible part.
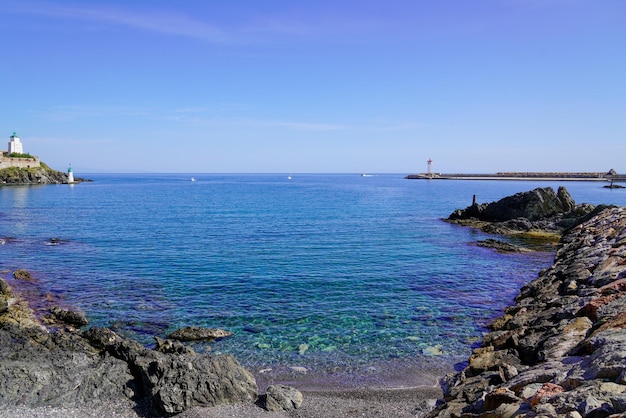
(541, 210)
(70, 369)
(561, 350)
(34, 175)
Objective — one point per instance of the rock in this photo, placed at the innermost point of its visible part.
(179, 382)
(547, 390)
(539, 213)
(500, 246)
(176, 382)
(5, 289)
(282, 398)
(170, 346)
(22, 275)
(58, 369)
(68, 317)
(97, 366)
(533, 205)
(434, 350)
(198, 334)
(498, 397)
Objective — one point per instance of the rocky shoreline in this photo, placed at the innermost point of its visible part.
(561, 349)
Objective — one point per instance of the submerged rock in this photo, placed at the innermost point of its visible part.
(22, 275)
(198, 334)
(501, 246)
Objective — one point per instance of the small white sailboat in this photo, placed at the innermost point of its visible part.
(289, 177)
(193, 179)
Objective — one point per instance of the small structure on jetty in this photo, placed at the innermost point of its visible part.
(611, 175)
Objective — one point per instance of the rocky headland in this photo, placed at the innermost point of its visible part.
(560, 351)
(539, 213)
(35, 175)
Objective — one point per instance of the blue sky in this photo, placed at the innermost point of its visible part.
(316, 86)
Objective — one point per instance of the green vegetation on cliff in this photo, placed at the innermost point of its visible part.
(18, 155)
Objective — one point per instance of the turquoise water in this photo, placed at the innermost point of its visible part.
(326, 272)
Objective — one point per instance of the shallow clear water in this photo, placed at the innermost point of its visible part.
(325, 272)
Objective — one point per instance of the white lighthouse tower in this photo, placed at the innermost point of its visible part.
(15, 145)
(70, 175)
(430, 168)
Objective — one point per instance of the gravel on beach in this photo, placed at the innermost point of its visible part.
(392, 403)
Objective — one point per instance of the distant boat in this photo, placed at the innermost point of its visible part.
(289, 177)
(193, 179)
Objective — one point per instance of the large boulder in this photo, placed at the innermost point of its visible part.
(176, 382)
(282, 398)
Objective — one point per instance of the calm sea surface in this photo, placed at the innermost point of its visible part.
(327, 272)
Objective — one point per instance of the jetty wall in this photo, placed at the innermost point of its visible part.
(552, 176)
(561, 349)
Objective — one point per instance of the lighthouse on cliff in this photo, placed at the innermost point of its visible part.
(15, 145)
(70, 175)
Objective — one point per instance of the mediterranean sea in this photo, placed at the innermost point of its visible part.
(353, 278)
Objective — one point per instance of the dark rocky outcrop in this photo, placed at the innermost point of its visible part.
(35, 175)
(97, 366)
(561, 350)
(199, 334)
(541, 211)
(73, 318)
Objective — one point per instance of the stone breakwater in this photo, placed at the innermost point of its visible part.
(561, 349)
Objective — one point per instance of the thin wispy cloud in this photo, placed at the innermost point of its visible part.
(248, 28)
(166, 23)
(75, 112)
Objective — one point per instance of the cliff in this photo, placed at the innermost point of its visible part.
(561, 349)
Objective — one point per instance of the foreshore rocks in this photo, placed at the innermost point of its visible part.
(541, 211)
(62, 368)
(560, 351)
